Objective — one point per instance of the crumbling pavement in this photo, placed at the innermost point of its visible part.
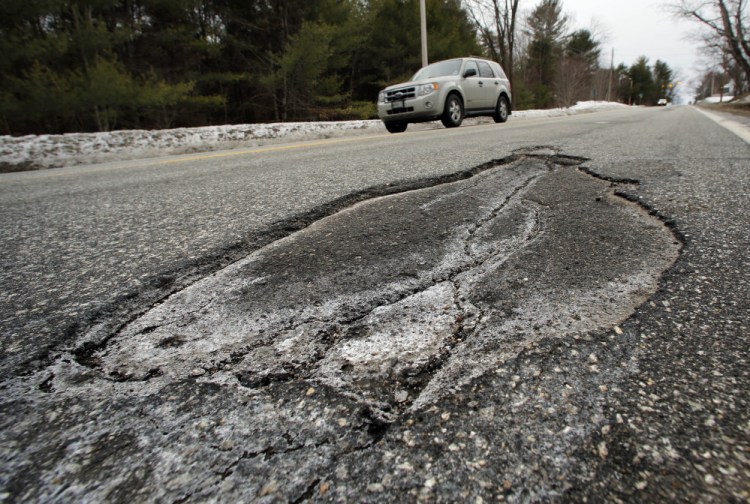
(446, 342)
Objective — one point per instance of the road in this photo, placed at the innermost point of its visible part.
(551, 309)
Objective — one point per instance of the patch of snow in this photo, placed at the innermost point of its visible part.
(718, 99)
(578, 108)
(51, 151)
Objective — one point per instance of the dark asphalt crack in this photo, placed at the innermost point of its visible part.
(670, 222)
(308, 494)
(638, 200)
(607, 178)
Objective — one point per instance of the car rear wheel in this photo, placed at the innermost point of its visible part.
(453, 115)
(501, 111)
(396, 127)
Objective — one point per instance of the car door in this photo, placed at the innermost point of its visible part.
(489, 86)
(473, 92)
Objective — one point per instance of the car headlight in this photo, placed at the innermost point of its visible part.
(426, 89)
(381, 97)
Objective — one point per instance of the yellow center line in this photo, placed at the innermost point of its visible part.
(276, 148)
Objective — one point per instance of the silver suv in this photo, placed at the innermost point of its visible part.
(447, 90)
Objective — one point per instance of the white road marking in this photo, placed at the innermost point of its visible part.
(735, 127)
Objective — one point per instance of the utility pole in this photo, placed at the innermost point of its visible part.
(611, 72)
(423, 24)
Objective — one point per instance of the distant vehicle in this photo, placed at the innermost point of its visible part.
(662, 102)
(448, 90)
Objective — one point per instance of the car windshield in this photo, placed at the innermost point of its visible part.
(444, 68)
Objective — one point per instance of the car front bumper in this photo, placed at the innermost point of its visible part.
(423, 108)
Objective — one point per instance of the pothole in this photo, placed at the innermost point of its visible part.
(397, 300)
(358, 343)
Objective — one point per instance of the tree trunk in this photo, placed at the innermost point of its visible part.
(735, 45)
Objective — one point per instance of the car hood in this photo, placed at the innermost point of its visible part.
(421, 81)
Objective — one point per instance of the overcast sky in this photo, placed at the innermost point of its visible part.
(638, 28)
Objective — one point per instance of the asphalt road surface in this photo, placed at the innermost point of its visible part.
(552, 309)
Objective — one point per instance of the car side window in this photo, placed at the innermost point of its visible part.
(471, 65)
(498, 71)
(485, 70)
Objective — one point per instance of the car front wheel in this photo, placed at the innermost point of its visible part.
(453, 115)
(396, 127)
(501, 111)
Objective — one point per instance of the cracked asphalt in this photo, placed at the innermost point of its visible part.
(557, 311)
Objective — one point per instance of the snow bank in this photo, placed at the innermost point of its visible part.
(718, 99)
(578, 108)
(49, 151)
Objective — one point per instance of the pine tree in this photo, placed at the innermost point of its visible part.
(548, 27)
(643, 88)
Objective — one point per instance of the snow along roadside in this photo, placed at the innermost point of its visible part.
(52, 151)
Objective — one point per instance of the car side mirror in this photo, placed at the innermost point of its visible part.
(471, 72)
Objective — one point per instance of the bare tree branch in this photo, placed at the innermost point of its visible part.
(735, 45)
(741, 30)
(503, 24)
(724, 18)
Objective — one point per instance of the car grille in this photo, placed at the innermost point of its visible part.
(407, 93)
(400, 110)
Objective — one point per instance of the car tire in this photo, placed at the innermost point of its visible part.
(396, 127)
(501, 110)
(453, 115)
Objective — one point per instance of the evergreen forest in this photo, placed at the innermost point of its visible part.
(100, 65)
